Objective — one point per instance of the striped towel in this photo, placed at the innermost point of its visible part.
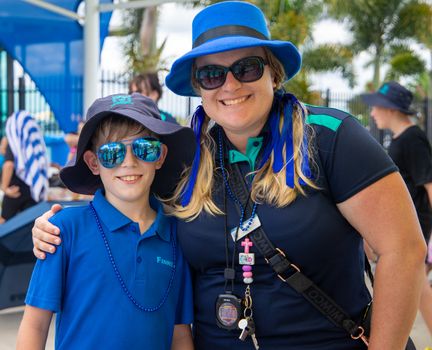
(28, 146)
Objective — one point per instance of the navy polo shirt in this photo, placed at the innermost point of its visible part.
(93, 310)
(313, 234)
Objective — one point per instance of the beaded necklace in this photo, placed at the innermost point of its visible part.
(230, 192)
(120, 279)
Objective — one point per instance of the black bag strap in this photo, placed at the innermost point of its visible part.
(287, 271)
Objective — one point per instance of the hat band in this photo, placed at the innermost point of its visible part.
(228, 30)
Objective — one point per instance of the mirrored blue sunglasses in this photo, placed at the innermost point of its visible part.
(147, 149)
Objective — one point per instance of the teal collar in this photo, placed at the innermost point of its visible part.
(253, 148)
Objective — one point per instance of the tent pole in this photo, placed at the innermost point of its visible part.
(91, 52)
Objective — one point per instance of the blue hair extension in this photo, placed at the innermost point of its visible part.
(196, 124)
(285, 138)
(277, 142)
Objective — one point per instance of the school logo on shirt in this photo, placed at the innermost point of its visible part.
(163, 261)
(121, 100)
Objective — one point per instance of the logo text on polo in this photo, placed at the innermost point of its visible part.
(121, 100)
(163, 261)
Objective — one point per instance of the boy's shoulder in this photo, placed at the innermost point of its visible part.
(71, 215)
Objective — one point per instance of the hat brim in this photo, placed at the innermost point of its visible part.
(181, 150)
(180, 77)
(377, 99)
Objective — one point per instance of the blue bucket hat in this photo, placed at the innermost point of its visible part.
(391, 95)
(180, 142)
(226, 26)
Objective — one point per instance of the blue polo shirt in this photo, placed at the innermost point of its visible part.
(79, 283)
(311, 231)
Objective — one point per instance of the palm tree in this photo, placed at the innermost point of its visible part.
(379, 28)
(294, 21)
(139, 29)
(416, 22)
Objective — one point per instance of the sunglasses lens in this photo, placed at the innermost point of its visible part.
(248, 69)
(211, 77)
(111, 154)
(147, 149)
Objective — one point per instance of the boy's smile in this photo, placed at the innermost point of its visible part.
(129, 179)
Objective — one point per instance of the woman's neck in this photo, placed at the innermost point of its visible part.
(240, 139)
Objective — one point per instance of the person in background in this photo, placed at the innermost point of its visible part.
(24, 180)
(132, 289)
(148, 85)
(3, 148)
(71, 140)
(411, 152)
(312, 178)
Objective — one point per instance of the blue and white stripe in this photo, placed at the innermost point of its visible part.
(28, 146)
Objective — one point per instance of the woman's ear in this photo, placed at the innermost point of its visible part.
(90, 159)
(161, 160)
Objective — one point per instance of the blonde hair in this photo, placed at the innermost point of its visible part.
(267, 186)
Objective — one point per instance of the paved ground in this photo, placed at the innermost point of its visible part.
(10, 319)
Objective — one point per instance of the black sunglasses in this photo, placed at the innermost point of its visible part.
(245, 70)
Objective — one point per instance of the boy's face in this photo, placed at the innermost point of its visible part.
(382, 116)
(129, 182)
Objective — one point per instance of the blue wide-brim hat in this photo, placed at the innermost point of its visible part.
(180, 142)
(229, 26)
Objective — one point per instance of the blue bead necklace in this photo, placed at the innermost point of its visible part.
(230, 192)
(120, 279)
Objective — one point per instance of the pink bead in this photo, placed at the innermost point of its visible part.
(247, 268)
(247, 274)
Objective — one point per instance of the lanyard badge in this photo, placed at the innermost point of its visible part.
(237, 233)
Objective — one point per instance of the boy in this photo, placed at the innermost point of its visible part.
(119, 280)
(411, 152)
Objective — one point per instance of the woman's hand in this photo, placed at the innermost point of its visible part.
(44, 234)
(12, 192)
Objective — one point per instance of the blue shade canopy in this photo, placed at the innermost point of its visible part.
(50, 48)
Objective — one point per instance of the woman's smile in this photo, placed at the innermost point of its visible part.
(236, 101)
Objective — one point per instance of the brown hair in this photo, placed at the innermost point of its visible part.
(114, 127)
(145, 83)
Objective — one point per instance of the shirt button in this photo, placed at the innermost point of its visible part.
(133, 228)
(256, 143)
(139, 259)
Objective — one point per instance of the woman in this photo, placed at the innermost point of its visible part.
(318, 183)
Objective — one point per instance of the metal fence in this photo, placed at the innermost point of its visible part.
(22, 93)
